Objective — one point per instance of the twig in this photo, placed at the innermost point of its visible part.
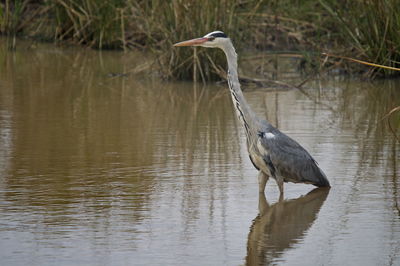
(387, 116)
(362, 62)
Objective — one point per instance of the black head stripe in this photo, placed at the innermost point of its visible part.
(219, 34)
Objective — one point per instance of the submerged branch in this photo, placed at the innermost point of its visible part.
(391, 128)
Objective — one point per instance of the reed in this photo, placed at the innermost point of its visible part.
(370, 28)
(163, 23)
(10, 15)
(95, 23)
(154, 25)
(363, 29)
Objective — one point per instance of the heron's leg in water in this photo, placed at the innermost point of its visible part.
(262, 181)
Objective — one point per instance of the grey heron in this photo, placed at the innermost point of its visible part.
(272, 153)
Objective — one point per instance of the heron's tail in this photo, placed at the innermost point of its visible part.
(322, 180)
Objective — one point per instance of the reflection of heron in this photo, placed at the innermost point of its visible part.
(271, 151)
(279, 226)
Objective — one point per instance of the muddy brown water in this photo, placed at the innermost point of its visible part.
(103, 169)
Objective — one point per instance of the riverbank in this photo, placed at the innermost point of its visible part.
(365, 30)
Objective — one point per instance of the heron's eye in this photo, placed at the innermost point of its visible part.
(211, 39)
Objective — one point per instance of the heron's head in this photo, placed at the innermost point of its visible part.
(215, 39)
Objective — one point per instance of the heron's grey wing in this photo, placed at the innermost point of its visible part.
(290, 160)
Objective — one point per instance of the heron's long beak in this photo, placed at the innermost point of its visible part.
(193, 42)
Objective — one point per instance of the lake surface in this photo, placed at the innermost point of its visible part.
(103, 169)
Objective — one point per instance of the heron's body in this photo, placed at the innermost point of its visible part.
(272, 152)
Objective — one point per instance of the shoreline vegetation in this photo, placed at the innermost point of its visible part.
(322, 36)
(367, 30)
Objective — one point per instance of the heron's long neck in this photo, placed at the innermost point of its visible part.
(243, 111)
